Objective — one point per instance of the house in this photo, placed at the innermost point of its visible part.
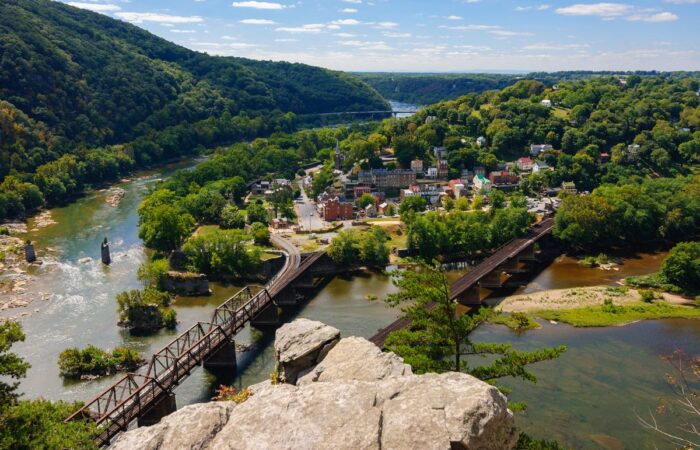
(546, 103)
(569, 186)
(481, 141)
(481, 183)
(536, 149)
(335, 209)
(370, 211)
(632, 152)
(480, 170)
(467, 176)
(457, 188)
(430, 119)
(604, 157)
(280, 223)
(383, 178)
(440, 152)
(432, 173)
(384, 208)
(260, 187)
(417, 166)
(540, 166)
(525, 164)
(503, 178)
(443, 168)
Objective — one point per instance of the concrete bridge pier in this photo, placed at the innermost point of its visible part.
(165, 406)
(224, 358)
(528, 254)
(470, 297)
(269, 317)
(494, 280)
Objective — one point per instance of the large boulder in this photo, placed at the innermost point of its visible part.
(300, 345)
(352, 397)
(355, 358)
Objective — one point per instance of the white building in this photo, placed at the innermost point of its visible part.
(547, 103)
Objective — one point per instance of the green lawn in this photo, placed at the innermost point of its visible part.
(601, 316)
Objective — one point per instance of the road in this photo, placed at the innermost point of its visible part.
(307, 214)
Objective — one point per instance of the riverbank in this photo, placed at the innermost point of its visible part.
(596, 306)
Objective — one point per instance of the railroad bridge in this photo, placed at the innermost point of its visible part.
(493, 273)
(148, 396)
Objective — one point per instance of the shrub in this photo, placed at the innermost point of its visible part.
(232, 394)
(169, 318)
(93, 361)
(153, 274)
(4, 231)
(647, 295)
(144, 310)
(260, 233)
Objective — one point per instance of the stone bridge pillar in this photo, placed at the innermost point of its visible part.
(224, 358)
(161, 409)
(470, 297)
(528, 253)
(494, 279)
(269, 317)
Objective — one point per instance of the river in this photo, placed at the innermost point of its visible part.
(586, 399)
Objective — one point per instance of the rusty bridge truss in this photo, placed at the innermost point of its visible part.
(135, 394)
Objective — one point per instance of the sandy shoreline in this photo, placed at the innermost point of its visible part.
(572, 298)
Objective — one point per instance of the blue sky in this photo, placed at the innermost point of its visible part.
(430, 35)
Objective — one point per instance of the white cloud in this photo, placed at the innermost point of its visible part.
(182, 31)
(508, 33)
(345, 35)
(366, 45)
(136, 17)
(258, 5)
(97, 7)
(392, 34)
(346, 22)
(286, 40)
(258, 22)
(606, 10)
(454, 17)
(386, 25)
(311, 28)
(541, 7)
(357, 2)
(348, 10)
(546, 46)
(658, 17)
(681, 2)
(471, 27)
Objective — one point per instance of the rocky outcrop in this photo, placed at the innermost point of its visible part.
(186, 283)
(348, 396)
(302, 344)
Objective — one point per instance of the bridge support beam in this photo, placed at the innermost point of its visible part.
(224, 358)
(165, 406)
(470, 297)
(528, 254)
(270, 316)
(495, 279)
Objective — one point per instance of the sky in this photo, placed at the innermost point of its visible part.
(429, 35)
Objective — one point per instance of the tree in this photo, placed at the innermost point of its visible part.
(257, 213)
(222, 253)
(232, 217)
(682, 265)
(260, 233)
(152, 274)
(11, 365)
(366, 200)
(343, 249)
(36, 424)
(373, 248)
(414, 204)
(165, 228)
(438, 339)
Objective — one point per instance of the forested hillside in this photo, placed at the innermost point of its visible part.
(425, 88)
(429, 88)
(85, 98)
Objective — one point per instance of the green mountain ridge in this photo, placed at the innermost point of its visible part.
(96, 80)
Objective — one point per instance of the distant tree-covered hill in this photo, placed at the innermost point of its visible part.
(96, 80)
(429, 88)
(426, 88)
